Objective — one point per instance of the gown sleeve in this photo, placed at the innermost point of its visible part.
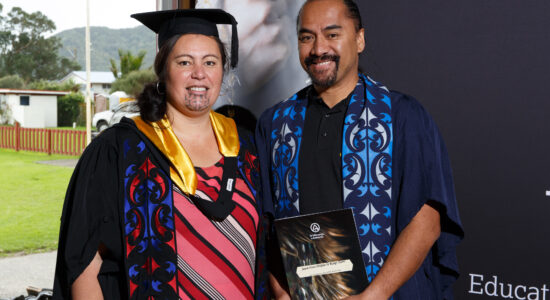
(262, 145)
(274, 261)
(424, 175)
(90, 218)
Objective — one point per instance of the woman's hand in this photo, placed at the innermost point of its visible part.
(279, 293)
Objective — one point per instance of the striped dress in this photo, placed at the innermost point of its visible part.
(216, 260)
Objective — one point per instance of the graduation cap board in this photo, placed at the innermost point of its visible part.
(167, 23)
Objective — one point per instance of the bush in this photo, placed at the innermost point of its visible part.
(12, 82)
(46, 85)
(133, 83)
(5, 113)
(68, 108)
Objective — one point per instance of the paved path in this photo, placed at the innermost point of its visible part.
(16, 273)
(60, 162)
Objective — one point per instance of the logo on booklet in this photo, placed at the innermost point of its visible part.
(316, 228)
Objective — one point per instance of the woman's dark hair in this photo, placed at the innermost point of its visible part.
(152, 99)
(353, 13)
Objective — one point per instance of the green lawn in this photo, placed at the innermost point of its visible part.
(80, 128)
(31, 199)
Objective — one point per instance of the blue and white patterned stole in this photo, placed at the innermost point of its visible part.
(367, 169)
(366, 164)
(286, 137)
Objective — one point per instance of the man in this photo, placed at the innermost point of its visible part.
(348, 142)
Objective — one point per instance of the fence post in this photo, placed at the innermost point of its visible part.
(49, 141)
(17, 135)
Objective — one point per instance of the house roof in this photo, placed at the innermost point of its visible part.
(95, 76)
(32, 92)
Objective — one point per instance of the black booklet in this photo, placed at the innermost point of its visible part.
(321, 255)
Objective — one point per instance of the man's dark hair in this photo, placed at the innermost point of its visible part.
(353, 13)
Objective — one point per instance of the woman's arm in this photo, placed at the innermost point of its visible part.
(86, 286)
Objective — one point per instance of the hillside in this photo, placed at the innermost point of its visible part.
(105, 43)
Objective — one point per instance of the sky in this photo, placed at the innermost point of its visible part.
(67, 14)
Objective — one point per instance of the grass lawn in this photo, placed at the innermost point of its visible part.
(81, 128)
(31, 199)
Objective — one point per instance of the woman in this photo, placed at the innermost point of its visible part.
(164, 206)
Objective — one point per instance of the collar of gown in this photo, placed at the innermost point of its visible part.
(182, 170)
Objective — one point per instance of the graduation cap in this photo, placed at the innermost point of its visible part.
(168, 23)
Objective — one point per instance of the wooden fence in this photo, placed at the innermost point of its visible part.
(56, 141)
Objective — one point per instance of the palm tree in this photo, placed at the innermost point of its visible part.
(128, 62)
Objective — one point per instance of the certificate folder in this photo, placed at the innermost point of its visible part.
(321, 255)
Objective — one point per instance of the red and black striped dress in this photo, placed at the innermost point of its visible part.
(216, 260)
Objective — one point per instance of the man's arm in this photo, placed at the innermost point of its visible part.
(406, 256)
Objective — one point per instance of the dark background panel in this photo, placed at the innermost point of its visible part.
(482, 69)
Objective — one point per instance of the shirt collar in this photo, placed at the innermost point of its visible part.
(316, 100)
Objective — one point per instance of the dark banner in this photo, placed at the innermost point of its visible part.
(481, 68)
(269, 70)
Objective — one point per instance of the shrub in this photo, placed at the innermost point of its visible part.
(68, 108)
(12, 82)
(133, 83)
(5, 113)
(46, 85)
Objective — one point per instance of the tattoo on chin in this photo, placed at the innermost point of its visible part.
(196, 102)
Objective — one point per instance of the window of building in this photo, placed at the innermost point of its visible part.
(106, 86)
(24, 100)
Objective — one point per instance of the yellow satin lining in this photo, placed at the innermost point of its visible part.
(182, 170)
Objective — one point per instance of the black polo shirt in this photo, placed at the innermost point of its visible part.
(320, 161)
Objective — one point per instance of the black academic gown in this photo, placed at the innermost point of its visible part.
(93, 216)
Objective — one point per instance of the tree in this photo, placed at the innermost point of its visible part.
(4, 39)
(25, 51)
(133, 83)
(128, 62)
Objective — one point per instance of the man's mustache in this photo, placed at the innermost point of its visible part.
(314, 59)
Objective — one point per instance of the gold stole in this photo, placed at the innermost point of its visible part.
(182, 171)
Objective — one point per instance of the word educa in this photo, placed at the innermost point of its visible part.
(495, 288)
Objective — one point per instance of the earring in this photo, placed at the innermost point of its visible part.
(158, 89)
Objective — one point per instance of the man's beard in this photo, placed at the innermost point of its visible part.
(317, 78)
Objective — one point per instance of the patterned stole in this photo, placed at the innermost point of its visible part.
(149, 228)
(150, 246)
(366, 164)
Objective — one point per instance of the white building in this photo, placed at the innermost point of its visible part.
(100, 81)
(32, 109)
